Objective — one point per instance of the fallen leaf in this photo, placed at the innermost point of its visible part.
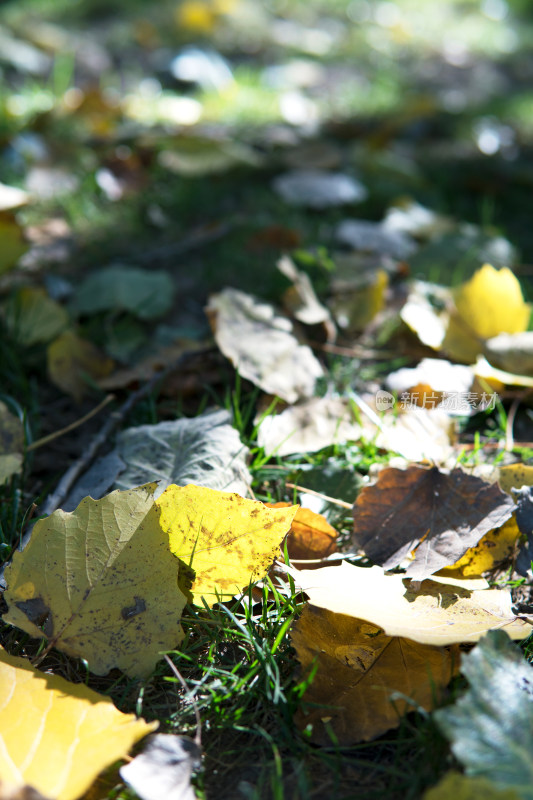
(261, 345)
(435, 614)
(205, 450)
(308, 427)
(492, 302)
(375, 237)
(511, 352)
(145, 293)
(163, 769)
(32, 317)
(55, 735)
(301, 300)
(72, 360)
(150, 366)
(365, 680)
(455, 786)
(436, 373)
(355, 307)
(197, 157)
(491, 726)
(227, 540)
(310, 537)
(12, 242)
(12, 197)
(418, 434)
(100, 583)
(318, 189)
(498, 545)
(22, 793)
(438, 516)
(524, 520)
(497, 378)
(11, 443)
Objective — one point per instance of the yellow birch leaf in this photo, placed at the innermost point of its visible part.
(56, 736)
(227, 540)
(434, 613)
(72, 360)
(100, 583)
(492, 302)
(363, 676)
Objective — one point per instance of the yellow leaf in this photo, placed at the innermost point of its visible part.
(71, 360)
(491, 302)
(358, 669)
(11, 443)
(56, 736)
(455, 786)
(32, 317)
(12, 243)
(227, 540)
(195, 15)
(100, 583)
(434, 614)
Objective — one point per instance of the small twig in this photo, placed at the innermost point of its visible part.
(355, 351)
(326, 497)
(198, 238)
(73, 425)
(179, 676)
(509, 438)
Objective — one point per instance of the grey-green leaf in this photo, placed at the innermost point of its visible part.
(145, 293)
(491, 726)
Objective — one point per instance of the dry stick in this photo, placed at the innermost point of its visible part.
(72, 426)
(197, 238)
(326, 497)
(179, 676)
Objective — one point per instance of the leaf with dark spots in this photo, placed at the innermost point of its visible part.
(221, 539)
(117, 608)
(436, 515)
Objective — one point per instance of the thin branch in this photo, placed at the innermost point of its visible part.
(179, 676)
(326, 497)
(73, 425)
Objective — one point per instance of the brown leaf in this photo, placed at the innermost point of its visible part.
(359, 670)
(311, 536)
(438, 516)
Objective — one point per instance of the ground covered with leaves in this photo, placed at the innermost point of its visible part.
(266, 430)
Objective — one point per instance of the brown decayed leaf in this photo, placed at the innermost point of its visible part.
(438, 516)
(311, 536)
(359, 668)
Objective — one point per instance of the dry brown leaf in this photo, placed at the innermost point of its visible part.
(438, 516)
(311, 536)
(359, 671)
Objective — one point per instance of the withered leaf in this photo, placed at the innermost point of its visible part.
(439, 516)
(359, 670)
